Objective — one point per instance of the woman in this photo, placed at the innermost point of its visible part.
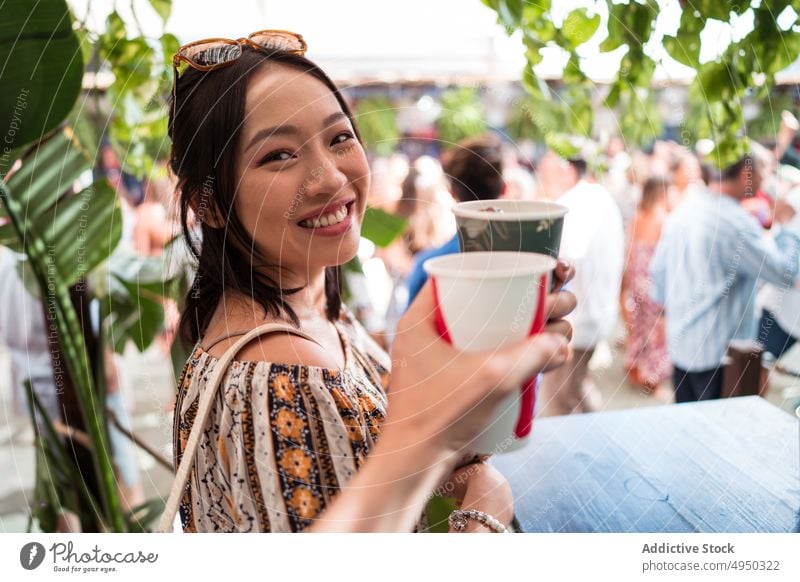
(646, 358)
(268, 158)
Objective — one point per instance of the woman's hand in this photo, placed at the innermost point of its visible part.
(441, 397)
(560, 303)
(480, 486)
(439, 400)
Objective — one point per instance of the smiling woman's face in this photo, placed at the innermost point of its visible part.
(302, 176)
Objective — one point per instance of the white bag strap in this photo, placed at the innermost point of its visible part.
(206, 398)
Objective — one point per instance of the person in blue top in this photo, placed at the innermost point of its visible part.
(706, 270)
(475, 172)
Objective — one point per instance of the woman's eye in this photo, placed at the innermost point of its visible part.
(342, 137)
(280, 156)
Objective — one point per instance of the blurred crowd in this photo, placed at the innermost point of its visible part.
(690, 258)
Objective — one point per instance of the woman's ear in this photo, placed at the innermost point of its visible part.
(205, 208)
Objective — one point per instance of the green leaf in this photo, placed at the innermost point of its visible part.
(85, 41)
(717, 9)
(169, 46)
(461, 116)
(143, 517)
(534, 11)
(728, 151)
(115, 29)
(510, 12)
(578, 27)
(42, 68)
(543, 30)
(684, 48)
(381, 227)
(715, 80)
(437, 512)
(617, 35)
(163, 8)
(613, 95)
(47, 172)
(135, 317)
(82, 230)
(572, 71)
(561, 144)
(377, 124)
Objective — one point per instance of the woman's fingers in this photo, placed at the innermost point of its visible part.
(561, 327)
(560, 304)
(513, 366)
(564, 273)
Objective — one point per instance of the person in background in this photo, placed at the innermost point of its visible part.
(551, 175)
(153, 229)
(779, 328)
(425, 206)
(685, 170)
(519, 183)
(594, 241)
(475, 172)
(646, 358)
(705, 272)
(621, 179)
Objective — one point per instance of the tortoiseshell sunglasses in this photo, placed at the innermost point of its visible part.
(213, 53)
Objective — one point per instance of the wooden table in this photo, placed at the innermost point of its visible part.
(718, 466)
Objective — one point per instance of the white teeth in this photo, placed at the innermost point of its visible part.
(327, 220)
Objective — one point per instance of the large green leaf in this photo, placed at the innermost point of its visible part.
(137, 287)
(133, 315)
(64, 316)
(82, 230)
(48, 172)
(42, 68)
(381, 227)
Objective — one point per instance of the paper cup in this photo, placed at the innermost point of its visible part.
(485, 300)
(520, 225)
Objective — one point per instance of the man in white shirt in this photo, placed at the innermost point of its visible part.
(594, 240)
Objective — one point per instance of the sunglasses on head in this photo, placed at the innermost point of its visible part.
(213, 53)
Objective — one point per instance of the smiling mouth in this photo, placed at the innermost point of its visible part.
(329, 219)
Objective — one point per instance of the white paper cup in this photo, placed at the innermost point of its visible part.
(487, 300)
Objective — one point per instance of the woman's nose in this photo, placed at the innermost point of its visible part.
(326, 178)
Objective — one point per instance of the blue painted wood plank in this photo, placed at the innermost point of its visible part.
(720, 466)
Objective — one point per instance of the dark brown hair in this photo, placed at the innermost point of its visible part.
(730, 173)
(204, 125)
(653, 192)
(475, 169)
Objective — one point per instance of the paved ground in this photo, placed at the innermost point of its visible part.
(149, 392)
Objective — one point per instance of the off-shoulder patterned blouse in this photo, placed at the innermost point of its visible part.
(281, 440)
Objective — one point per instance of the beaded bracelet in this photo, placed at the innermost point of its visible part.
(458, 520)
